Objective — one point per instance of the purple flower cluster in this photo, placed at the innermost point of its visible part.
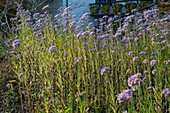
(125, 95)
(166, 92)
(134, 79)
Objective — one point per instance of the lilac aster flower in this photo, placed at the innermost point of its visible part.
(143, 52)
(56, 60)
(113, 52)
(152, 62)
(79, 94)
(143, 80)
(78, 60)
(45, 7)
(42, 67)
(70, 101)
(52, 48)
(136, 39)
(103, 52)
(41, 48)
(163, 48)
(107, 82)
(48, 88)
(65, 53)
(3, 23)
(21, 74)
(130, 53)
(149, 88)
(145, 61)
(134, 88)
(37, 52)
(154, 71)
(8, 40)
(136, 59)
(120, 60)
(27, 47)
(154, 53)
(147, 48)
(163, 42)
(104, 69)
(166, 62)
(44, 38)
(145, 72)
(16, 42)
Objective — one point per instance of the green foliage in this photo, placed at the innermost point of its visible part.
(94, 9)
(117, 8)
(54, 81)
(143, 3)
(163, 9)
(105, 9)
(130, 7)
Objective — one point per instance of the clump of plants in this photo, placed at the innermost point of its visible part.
(130, 7)
(164, 8)
(94, 9)
(144, 3)
(117, 8)
(105, 9)
(66, 65)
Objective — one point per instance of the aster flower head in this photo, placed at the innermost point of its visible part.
(153, 62)
(153, 71)
(135, 59)
(107, 82)
(37, 52)
(27, 47)
(45, 7)
(134, 88)
(143, 80)
(113, 52)
(21, 74)
(44, 38)
(16, 42)
(145, 61)
(163, 48)
(79, 94)
(52, 48)
(145, 72)
(70, 101)
(103, 52)
(65, 53)
(130, 53)
(77, 60)
(48, 88)
(103, 70)
(149, 88)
